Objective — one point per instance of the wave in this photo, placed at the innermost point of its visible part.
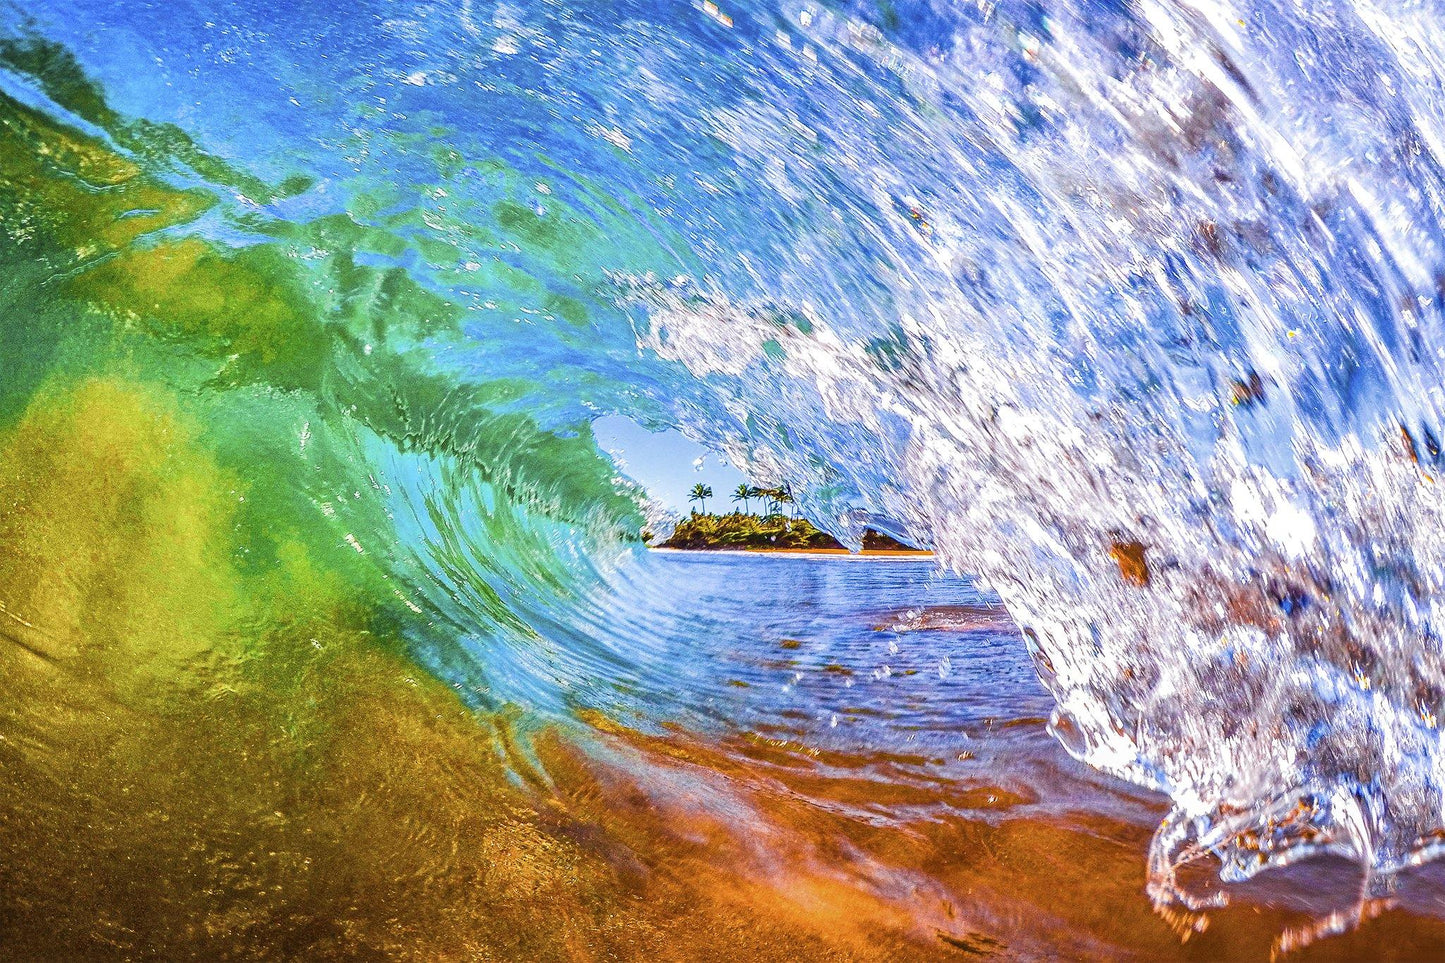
(1158, 361)
(1132, 309)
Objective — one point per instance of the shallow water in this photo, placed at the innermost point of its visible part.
(355, 809)
(326, 627)
(827, 648)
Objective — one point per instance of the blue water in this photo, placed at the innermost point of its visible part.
(812, 641)
(1135, 310)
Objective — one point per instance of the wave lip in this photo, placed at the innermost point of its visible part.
(1131, 375)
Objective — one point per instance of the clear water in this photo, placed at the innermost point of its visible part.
(832, 651)
(1134, 310)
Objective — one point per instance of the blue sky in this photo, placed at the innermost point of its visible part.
(667, 464)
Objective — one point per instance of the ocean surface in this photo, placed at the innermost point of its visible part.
(326, 630)
(844, 652)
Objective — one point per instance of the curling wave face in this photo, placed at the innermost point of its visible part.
(1159, 356)
(1134, 310)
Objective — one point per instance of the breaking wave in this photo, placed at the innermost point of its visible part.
(1132, 309)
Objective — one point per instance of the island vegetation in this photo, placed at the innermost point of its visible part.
(771, 531)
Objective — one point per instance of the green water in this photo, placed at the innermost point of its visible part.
(215, 731)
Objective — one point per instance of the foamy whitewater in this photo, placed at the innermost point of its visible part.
(1134, 310)
(1161, 282)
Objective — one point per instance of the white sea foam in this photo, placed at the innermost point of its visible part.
(1160, 357)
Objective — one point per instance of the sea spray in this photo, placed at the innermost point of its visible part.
(1134, 309)
(1164, 370)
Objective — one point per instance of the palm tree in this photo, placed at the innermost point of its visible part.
(777, 498)
(766, 494)
(785, 497)
(741, 494)
(700, 493)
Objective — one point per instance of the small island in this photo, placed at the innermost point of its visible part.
(772, 531)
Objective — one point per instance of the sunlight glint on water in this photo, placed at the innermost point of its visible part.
(1133, 309)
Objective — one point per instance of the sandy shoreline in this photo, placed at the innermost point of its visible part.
(865, 553)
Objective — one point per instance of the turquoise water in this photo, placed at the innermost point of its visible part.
(1134, 310)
